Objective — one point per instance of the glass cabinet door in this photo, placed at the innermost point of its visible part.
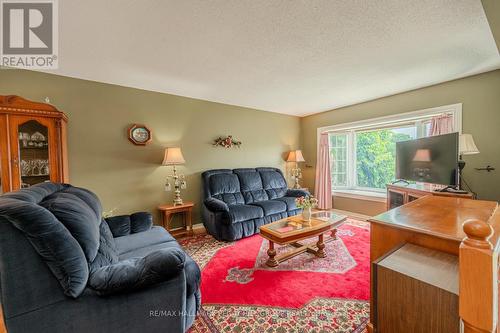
(32, 149)
(34, 158)
(395, 199)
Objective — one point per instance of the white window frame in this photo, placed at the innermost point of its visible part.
(352, 190)
(348, 138)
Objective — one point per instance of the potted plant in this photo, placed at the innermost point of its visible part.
(306, 203)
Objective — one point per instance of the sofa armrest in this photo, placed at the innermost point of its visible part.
(136, 273)
(124, 225)
(216, 205)
(297, 193)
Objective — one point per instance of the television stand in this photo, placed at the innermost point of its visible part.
(451, 189)
(398, 195)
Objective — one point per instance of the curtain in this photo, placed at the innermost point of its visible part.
(442, 124)
(323, 184)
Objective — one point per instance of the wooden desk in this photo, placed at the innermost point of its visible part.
(423, 284)
(168, 211)
(434, 222)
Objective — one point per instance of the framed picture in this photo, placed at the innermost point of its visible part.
(139, 134)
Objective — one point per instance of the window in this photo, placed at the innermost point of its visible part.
(363, 154)
(376, 155)
(338, 159)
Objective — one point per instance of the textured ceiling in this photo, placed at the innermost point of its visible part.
(288, 56)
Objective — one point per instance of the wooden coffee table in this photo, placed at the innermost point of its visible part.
(291, 230)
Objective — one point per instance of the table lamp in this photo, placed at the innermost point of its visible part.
(296, 156)
(466, 146)
(173, 157)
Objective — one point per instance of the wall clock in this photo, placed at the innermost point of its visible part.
(139, 134)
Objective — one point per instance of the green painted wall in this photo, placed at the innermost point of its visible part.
(480, 96)
(130, 178)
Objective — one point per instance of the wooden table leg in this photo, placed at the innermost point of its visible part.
(321, 247)
(334, 233)
(189, 225)
(163, 219)
(271, 252)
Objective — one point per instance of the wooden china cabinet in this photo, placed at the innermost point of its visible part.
(32, 143)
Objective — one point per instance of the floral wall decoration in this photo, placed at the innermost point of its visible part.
(226, 142)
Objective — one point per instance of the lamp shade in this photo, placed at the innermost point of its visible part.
(295, 156)
(422, 155)
(173, 156)
(466, 145)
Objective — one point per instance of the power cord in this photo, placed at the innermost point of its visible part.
(474, 194)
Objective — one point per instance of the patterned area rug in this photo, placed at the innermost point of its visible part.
(304, 294)
(308, 262)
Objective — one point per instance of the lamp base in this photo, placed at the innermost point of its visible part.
(296, 174)
(461, 166)
(177, 198)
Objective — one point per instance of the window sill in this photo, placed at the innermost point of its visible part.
(361, 195)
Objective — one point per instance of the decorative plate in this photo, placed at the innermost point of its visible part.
(37, 136)
(139, 134)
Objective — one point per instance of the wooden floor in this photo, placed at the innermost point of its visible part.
(201, 230)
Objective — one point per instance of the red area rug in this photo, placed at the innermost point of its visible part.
(304, 294)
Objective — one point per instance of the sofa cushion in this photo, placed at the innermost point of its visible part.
(123, 225)
(107, 253)
(271, 206)
(289, 201)
(140, 221)
(143, 251)
(136, 273)
(297, 192)
(273, 181)
(251, 185)
(51, 240)
(136, 241)
(78, 217)
(226, 187)
(89, 198)
(119, 225)
(36, 193)
(238, 213)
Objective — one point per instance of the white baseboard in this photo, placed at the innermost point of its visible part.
(199, 228)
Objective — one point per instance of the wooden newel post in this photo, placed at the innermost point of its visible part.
(478, 293)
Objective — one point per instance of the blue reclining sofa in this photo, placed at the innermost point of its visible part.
(63, 268)
(237, 202)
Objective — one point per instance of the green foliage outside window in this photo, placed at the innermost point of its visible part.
(376, 157)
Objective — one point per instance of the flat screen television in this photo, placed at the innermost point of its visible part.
(428, 160)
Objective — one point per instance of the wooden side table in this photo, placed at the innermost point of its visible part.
(168, 211)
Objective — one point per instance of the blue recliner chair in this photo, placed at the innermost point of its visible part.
(63, 268)
(237, 202)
